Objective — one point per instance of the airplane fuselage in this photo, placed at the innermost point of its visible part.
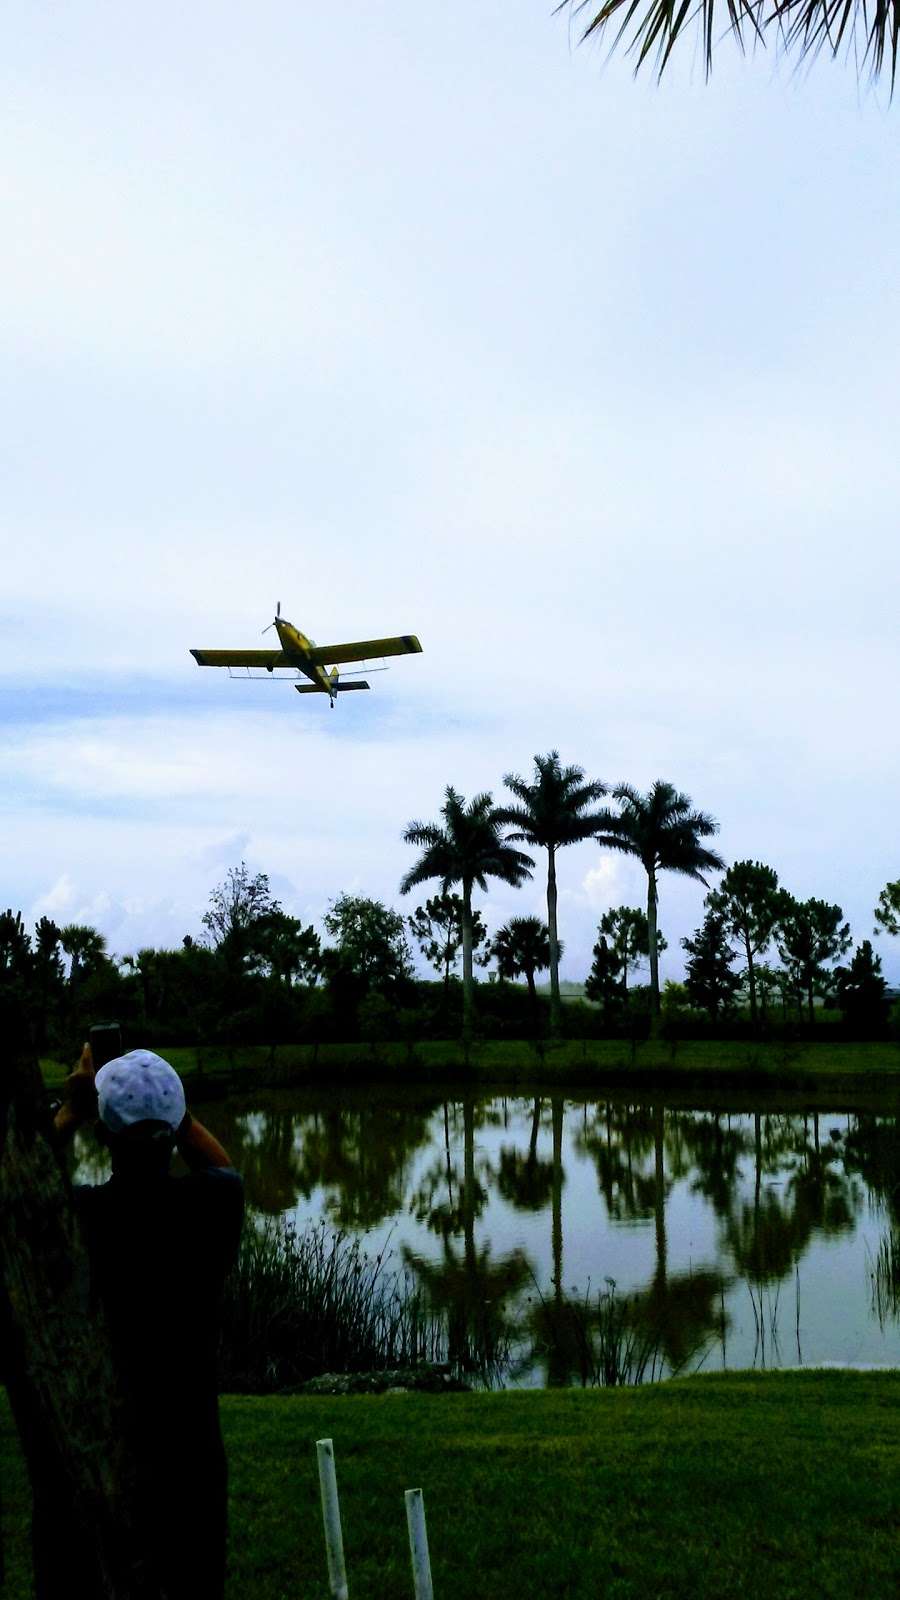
(296, 645)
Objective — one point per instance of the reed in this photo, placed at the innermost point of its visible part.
(298, 1304)
(885, 1276)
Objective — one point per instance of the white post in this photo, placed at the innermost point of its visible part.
(331, 1517)
(418, 1545)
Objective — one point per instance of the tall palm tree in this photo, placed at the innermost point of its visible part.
(664, 832)
(522, 948)
(553, 812)
(468, 849)
(870, 34)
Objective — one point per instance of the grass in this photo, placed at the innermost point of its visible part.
(780, 1484)
(500, 1062)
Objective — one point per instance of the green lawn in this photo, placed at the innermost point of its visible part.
(784, 1485)
(507, 1062)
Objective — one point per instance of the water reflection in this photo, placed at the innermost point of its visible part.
(514, 1214)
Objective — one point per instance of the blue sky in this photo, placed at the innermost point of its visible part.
(421, 319)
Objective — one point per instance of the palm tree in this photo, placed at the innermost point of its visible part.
(871, 35)
(522, 948)
(552, 812)
(87, 948)
(468, 850)
(662, 830)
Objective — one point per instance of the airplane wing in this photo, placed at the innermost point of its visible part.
(242, 658)
(323, 655)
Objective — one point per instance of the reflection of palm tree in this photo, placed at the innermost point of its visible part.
(525, 1181)
(680, 1313)
(360, 1157)
(715, 1152)
(872, 1149)
(558, 1325)
(676, 1313)
(472, 1291)
(627, 1191)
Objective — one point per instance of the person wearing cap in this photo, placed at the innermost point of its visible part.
(160, 1247)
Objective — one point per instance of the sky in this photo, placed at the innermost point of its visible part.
(424, 319)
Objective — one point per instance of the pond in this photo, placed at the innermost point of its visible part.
(766, 1237)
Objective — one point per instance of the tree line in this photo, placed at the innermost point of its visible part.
(258, 974)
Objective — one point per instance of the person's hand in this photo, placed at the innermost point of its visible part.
(80, 1089)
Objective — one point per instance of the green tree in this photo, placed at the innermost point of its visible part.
(370, 943)
(553, 812)
(289, 952)
(437, 929)
(809, 935)
(235, 907)
(650, 29)
(628, 931)
(709, 979)
(861, 990)
(48, 977)
(521, 949)
(603, 984)
(664, 832)
(468, 849)
(887, 911)
(15, 951)
(750, 901)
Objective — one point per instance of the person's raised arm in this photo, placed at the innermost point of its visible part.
(79, 1100)
(199, 1147)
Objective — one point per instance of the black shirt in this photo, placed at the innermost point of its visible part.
(160, 1248)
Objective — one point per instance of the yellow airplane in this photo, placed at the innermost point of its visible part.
(302, 655)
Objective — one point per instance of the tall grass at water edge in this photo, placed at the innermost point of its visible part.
(298, 1304)
(885, 1276)
(301, 1303)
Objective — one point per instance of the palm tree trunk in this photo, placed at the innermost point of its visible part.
(659, 1193)
(654, 952)
(555, 1006)
(535, 1126)
(468, 979)
(469, 1185)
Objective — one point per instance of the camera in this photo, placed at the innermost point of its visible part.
(106, 1042)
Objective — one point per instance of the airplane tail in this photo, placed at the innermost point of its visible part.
(339, 688)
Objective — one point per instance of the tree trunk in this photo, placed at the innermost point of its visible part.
(532, 996)
(468, 980)
(654, 953)
(555, 1005)
(751, 979)
(58, 1366)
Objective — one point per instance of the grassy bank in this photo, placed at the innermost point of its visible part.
(505, 1062)
(785, 1484)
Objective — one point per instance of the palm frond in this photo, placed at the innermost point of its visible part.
(652, 28)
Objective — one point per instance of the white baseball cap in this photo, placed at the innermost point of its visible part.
(139, 1087)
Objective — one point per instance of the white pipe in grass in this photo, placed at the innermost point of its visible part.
(418, 1545)
(331, 1517)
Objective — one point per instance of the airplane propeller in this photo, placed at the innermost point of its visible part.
(277, 617)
